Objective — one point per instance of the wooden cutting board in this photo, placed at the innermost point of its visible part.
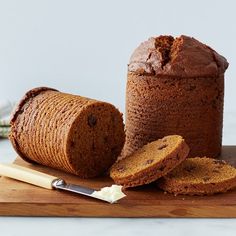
(21, 199)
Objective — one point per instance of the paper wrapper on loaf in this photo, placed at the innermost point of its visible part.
(75, 134)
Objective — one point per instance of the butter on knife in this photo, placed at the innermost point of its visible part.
(108, 194)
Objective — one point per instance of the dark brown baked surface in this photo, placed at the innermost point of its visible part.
(150, 162)
(68, 132)
(179, 57)
(199, 176)
(190, 107)
(175, 86)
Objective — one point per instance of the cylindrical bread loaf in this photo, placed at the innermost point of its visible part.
(175, 86)
(75, 134)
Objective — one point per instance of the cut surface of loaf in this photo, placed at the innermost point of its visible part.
(68, 132)
(150, 162)
(199, 176)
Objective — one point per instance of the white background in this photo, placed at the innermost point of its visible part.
(83, 47)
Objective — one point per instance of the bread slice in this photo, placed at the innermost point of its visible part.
(150, 162)
(199, 176)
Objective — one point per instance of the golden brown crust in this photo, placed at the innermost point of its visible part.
(67, 132)
(199, 176)
(175, 86)
(18, 110)
(150, 162)
(29, 95)
(190, 107)
(182, 57)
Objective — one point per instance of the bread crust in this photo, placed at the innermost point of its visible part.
(175, 86)
(67, 132)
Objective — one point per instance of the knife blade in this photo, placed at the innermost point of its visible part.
(108, 194)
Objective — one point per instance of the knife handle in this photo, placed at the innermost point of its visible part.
(27, 175)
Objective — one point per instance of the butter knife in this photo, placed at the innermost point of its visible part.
(108, 194)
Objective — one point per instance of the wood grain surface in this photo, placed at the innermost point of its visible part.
(21, 199)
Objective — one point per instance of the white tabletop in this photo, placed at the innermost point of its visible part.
(44, 226)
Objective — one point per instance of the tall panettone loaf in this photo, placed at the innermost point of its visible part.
(175, 86)
(68, 132)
